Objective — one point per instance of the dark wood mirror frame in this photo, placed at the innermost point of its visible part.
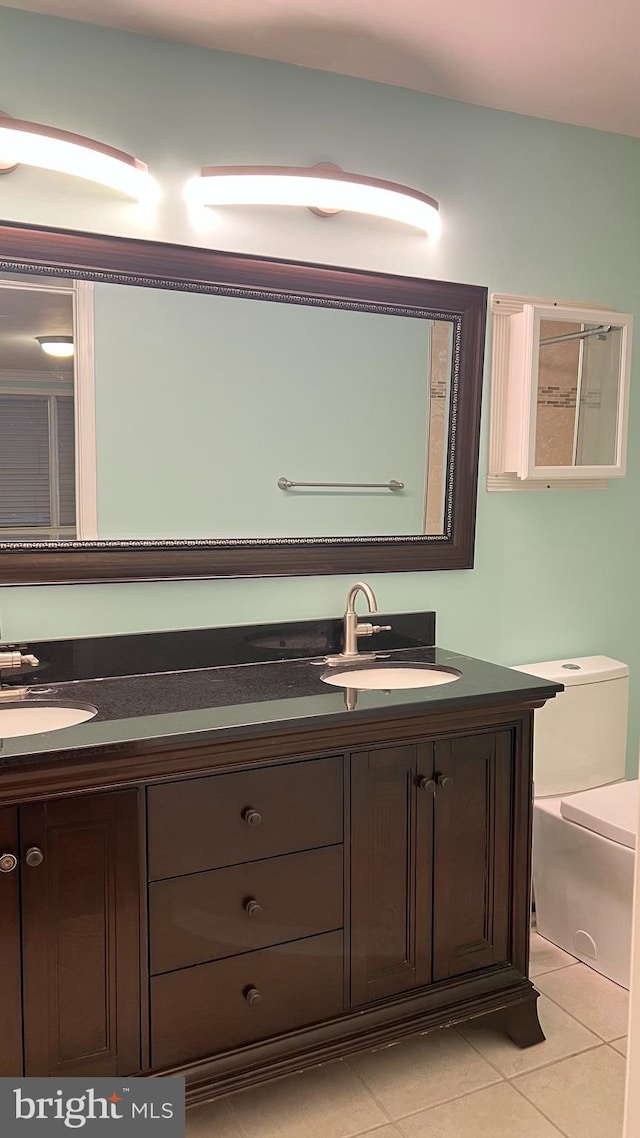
(60, 252)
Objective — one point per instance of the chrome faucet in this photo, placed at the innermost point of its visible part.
(353, 629)
(15, 658)
(12, 659)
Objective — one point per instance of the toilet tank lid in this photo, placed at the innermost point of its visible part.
(608, 810)
(573, 670)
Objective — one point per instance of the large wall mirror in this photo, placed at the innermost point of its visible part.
(170, 412)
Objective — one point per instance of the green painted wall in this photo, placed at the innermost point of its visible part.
(203, 402)
(528, 206)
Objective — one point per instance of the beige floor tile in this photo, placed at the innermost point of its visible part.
(423, 1071)
(583, 1096)
(383, 1132)
(598, 1003)
(325, 1102)
(499, 1112)
(547, 957)
(620, 1045)
(212, 1120)
(564, 1037)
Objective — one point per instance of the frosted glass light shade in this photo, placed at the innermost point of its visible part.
(62, 347)
(323, 188)
(33, 144)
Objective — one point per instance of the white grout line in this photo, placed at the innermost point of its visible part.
(541, 1112)
(557, 968)
(366, 1086)
(541, 1066)
(575, 1017)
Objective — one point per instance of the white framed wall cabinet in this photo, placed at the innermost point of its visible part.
(559, 394)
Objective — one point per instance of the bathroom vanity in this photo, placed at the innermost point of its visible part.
(237, 871)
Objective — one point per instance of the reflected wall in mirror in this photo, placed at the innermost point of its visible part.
(212, 398)
(200, 384)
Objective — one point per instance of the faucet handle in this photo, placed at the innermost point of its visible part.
(366, 629)
(15, 658)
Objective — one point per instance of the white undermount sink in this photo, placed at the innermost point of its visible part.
(34, 718)
(388, 676)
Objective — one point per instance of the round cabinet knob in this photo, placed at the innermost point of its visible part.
(253, 908)
(8, 862)
(253, 997)
(445, 781)
(34, 857)
(428, 784)
(252, 817)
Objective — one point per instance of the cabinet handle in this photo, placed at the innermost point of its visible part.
(444, 781)
(428, 784)
(8, 862)
(252, 817)
(253, 997)
(253, 908)
(34, 857)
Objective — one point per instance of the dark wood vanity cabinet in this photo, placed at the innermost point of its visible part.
(10, 961)
(246, 907)
(70, 925)
(298, 907)
(306, 894)
(430, 862)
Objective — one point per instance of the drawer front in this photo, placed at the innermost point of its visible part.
(207, 823)
(215, 1007)
(206, 916)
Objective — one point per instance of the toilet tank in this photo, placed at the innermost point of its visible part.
(580, 737)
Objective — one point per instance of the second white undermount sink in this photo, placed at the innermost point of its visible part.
(34, 718)
(388, 676)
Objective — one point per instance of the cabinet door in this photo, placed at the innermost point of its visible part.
(391, 839)
(472, 842)
(10, 993)
(80, 886)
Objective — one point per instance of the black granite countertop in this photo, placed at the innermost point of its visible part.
(193, 706)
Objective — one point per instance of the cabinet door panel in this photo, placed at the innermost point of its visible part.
(81, 936)
(472, 821)
(10, 993)
(391, 827)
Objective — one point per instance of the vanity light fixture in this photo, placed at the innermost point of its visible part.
(33, 144)
(62, 347)
(325, 189)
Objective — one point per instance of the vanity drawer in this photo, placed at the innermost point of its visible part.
(226, 819)
(214, 1007)
(206, 916)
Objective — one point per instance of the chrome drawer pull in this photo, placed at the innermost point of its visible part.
(252, 817)
(8, 862)
(253, 908)
(253, 997)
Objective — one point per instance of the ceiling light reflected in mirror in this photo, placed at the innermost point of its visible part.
(61, 347)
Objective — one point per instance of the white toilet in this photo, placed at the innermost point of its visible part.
(585, 818)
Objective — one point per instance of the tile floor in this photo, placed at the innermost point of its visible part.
(468, 1082)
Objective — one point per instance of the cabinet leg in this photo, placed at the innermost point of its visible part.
(521, 1023)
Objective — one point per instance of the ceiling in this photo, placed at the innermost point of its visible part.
(575, 61)
(24, 314)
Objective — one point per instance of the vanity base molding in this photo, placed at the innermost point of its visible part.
(417, 1014)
